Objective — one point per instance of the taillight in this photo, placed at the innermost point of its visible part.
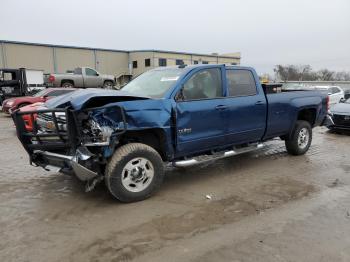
(327, 100)
(51, 78)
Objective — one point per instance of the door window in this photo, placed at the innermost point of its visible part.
(334, 90)
(90, 72)
(240, 83)
(205, 84)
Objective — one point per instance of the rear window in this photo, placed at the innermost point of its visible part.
(240, 83)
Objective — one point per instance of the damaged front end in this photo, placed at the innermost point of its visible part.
(67, 140)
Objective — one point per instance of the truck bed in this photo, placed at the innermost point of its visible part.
(283, 106)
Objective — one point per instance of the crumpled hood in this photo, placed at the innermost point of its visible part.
(341, 108)
(92, 97)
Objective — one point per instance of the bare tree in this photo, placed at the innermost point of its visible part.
(305, 73)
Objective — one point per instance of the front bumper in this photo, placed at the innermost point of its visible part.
(65, 163)
(333, 122)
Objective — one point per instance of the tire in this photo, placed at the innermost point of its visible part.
(137, 183)
(300, 140)
(108, 85)
(67, 85)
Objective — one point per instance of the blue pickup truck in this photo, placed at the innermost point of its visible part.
(182, 115)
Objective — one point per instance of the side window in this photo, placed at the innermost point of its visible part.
(147, 62)
(335, 90)
(179, 62)
(77, 71)
(162, 62)
(205, 84)
(134, 64)
(240, 83)
(90, 72)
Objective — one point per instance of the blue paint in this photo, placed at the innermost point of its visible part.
(199, 126)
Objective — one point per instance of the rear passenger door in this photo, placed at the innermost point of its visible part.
(247, 107)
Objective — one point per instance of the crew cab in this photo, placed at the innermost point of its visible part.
(83, 77)
(180, 115)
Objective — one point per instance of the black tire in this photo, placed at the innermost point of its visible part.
(108, 85)
(67, 84)
(114, 171)
(293, 144)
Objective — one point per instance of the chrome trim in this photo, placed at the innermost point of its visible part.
(236, 151)
(46, 153)
(80, 171)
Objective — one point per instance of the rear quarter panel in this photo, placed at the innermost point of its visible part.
(283, 110)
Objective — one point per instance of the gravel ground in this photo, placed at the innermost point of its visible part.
(264, 206)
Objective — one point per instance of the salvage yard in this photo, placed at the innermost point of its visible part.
(259, 206)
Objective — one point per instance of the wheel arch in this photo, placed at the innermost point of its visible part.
(67, 81)
(154, 137)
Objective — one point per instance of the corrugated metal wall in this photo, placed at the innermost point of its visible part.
(60, 59)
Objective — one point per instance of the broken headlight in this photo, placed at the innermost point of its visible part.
(96, 134)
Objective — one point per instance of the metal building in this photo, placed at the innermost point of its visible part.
(120, 63)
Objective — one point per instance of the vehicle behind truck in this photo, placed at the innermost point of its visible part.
(15, 82)
(180, 115)
(82, 77)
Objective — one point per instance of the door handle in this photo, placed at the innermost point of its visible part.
(221, 107)
(259, 103)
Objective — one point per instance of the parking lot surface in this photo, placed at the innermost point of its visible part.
(260, 206)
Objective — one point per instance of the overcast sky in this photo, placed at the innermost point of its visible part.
(266, 32)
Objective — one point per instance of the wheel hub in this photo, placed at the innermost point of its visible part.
(303, 138)
(137, 174)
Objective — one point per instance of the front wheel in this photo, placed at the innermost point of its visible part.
(134, 172)
(300, 140)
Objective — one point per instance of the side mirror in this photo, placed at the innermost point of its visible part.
(342, 100)
(97, 74)
(180, 95)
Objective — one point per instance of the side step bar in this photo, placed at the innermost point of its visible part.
(205, 158)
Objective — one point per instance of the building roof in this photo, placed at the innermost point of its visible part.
(117, 50)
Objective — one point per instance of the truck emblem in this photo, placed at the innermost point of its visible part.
(185, 131)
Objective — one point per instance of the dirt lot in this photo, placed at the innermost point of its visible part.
(265, 206)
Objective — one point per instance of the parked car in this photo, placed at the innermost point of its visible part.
(340, 116)
(181, 115)
(335, 93)
(347, 93)
(83, 77)
(12, 104)
(31, 118)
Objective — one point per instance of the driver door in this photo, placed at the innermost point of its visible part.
(200, 112)
(92, 78)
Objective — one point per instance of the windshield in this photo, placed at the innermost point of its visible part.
(153, 83)
(41, 93)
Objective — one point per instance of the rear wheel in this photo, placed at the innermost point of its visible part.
(300, 140)
(134, 172)
(67, 84)
(108, 85)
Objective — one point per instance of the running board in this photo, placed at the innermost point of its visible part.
(205, 158)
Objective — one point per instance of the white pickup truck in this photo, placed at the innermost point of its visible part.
(83, 77)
